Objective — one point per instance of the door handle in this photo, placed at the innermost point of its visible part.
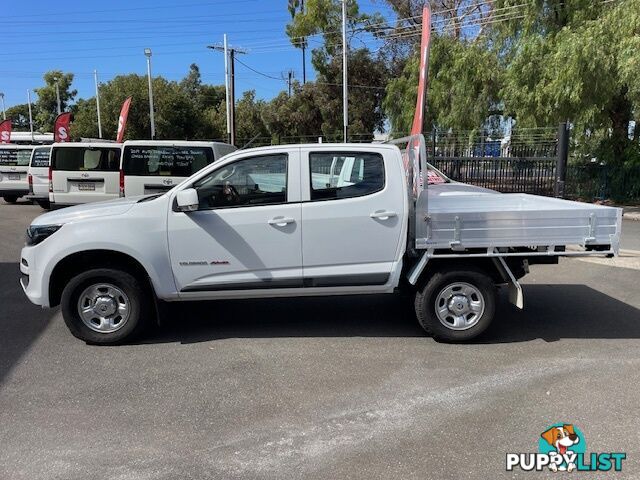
(383, 214)
(281, 221)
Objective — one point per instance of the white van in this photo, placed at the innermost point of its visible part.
(38, 176)
(84, 172)
(155, 166)
(14, 163)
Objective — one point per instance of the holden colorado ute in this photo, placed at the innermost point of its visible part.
(301, 220)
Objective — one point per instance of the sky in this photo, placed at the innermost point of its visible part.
(82, 36)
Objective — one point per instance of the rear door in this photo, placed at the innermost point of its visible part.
(14, 164)
(39, 171)
(152, 169)
(85, 174)
(353, 217)
(245, 237)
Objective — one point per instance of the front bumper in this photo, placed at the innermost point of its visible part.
(31, 279)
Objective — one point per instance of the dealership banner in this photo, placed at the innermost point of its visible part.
(122, 119)
(61, 130)
(5, 131)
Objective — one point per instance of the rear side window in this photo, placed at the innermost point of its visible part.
(338, 175)
(89, 159)
(41, 157)
(169, 161)
(13, 157)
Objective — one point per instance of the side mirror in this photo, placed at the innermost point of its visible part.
(187, 200)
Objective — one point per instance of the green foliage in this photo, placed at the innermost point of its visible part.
(19, 115)
(46, 107)
(464, 79)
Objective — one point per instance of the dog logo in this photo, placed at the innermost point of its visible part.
(562, 438)
(562, 447)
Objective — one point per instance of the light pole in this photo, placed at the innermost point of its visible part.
(95, 79)
(58, 95)
(345, 94)
(147, 53)
(4, 113)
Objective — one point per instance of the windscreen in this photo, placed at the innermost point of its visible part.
(41, 157)
(13, 157)
(169, 161)
(86, 159)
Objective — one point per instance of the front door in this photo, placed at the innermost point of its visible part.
(246, 234)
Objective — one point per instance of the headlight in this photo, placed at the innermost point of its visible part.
(39, 233)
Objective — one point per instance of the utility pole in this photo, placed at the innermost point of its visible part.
(58, 95)
(304, 47)
(290, 80)
(30, 114)
(147, 53)
(345, 90)
(95, 79)
(230, 80)
(4, 113)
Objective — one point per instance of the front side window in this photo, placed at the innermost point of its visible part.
(86, 159)
(338, 175)
(169, 161)
(251, 181)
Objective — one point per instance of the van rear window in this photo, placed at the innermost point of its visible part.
(13, 157)
(41, 157)
(86, 159)
(169, 161)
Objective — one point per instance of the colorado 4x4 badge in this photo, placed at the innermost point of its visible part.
(562, 448)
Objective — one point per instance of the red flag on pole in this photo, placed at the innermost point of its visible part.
(61, 132)
(418, 116)
(122, 119)
(5, 131)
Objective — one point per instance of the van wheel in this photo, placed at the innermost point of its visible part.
(10, 198)
(105, 306)
(44, 204)
(455, 306)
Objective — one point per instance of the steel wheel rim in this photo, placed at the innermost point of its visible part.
(459, 306)
(104, 308)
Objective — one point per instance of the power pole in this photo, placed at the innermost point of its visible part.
(58, 95)
(95, 79)
(304, 47)
(231, 81)
(289, 80)
(345, 91)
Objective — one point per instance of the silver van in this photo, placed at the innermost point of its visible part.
(155, 166)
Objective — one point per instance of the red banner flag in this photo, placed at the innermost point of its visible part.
(425, 43)
(5, 131)
(61, 132)
(122, 119)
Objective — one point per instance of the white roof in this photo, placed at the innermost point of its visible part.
(87, 145)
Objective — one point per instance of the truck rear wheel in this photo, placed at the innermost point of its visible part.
(105, 306)
(10, 198)
(455, 306)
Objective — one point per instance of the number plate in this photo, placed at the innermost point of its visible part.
(86, 187)
(13, 176)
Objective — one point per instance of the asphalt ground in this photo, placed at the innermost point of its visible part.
(342, 387)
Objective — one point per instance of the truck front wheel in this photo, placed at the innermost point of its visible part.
(104, 306)
(455, 306)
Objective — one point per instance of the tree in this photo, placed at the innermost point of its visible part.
(174, 110)
(19, 115)
(46, 107)
(574, 60)
(464, 82)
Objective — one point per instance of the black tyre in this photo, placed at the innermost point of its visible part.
(10, 198)
(455, 306)
(105, 306)
(44, 204)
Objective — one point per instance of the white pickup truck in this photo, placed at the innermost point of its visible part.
(299, 220)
